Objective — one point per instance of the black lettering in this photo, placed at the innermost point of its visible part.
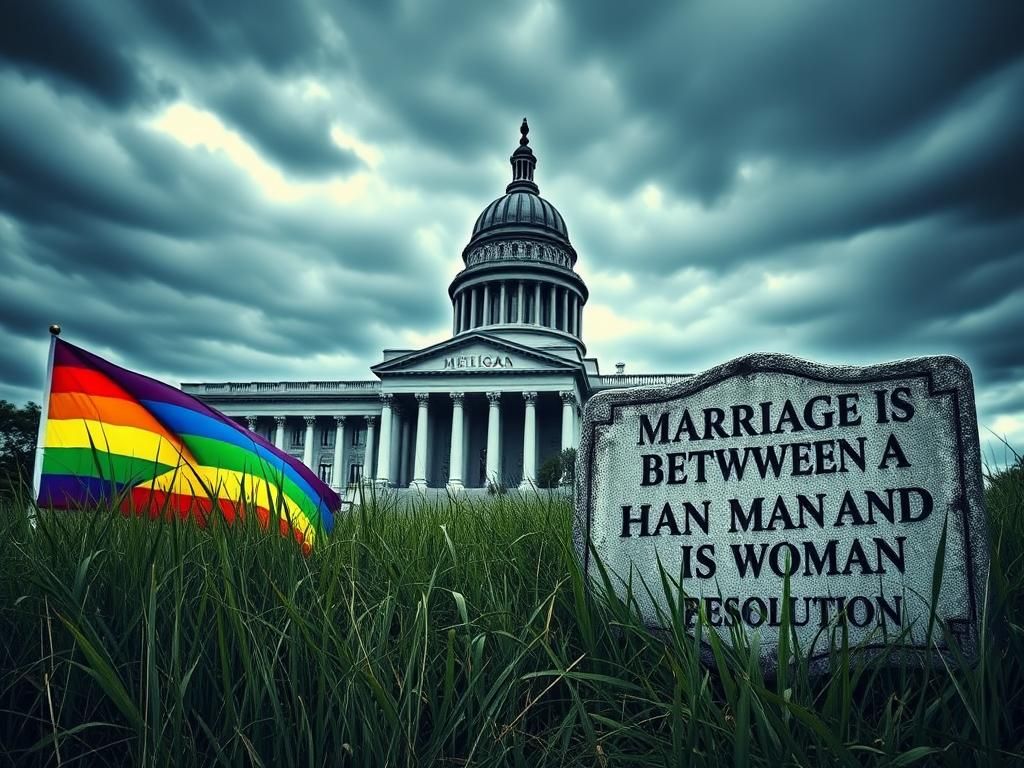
(692, 514)
(824, 463)
(827, 416)
(768, 457)
(902, 404)
(801, 455)
(676, 470)
(882, 406)
(907, 509)
(788, 416)
(748, 559)
(894, 556)
(737, 516)
(652, 472)
(686, 425)
(741, 416)
(647, 430)
(729, 462)
(884, 507)
(706, 558)
(848, 416)
(667, 520)
(713, 418)
(847, 451)
(893, 450)
(628, 521)
(701, 457)
(848, 508)
(821, 561)
(893, 611)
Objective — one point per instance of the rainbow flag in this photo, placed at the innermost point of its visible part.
(111, 434)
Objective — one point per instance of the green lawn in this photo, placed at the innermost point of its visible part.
(448, 634)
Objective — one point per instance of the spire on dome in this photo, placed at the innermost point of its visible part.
(523, 163)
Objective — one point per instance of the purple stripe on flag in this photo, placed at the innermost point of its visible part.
(74, 491)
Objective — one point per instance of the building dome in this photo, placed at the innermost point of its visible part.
(519, 281)
(519, 213)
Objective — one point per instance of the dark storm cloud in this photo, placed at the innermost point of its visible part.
(72, 45)
(298, 139)
(834, 181)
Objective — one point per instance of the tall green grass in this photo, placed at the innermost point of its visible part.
(448, 633)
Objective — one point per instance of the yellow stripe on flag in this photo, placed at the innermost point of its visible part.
(115, 438)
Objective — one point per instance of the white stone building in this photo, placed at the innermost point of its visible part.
(491, 403)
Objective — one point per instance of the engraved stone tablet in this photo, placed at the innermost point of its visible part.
(844, 478)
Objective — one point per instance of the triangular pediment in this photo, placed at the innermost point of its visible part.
(476, 353)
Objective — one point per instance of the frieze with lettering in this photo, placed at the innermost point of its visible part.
(850, 483)
(478, 362)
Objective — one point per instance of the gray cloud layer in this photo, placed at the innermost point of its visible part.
(839, 182)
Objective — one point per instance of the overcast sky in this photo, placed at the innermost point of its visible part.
(279, 190)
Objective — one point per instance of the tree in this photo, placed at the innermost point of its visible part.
(18, 430)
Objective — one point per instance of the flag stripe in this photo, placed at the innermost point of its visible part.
(71, 378)
(112, 438)
(110, 466)
(112, 410)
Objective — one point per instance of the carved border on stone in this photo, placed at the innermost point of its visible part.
(946, 376)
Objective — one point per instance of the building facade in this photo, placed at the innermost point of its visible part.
(491, 403)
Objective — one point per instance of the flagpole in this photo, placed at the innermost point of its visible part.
(37, 469)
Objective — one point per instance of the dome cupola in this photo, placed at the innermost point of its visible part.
(519, 279)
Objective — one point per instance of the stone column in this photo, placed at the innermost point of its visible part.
(565, 311)
(307, 446)
(579, 319)
(486, 319)
(519, 304)
(419, 472)
(279, 432)
(384, 442)
(250, 422)
(455, 460)
(371, 427)
(554, 306)
(537, 319)
(338, 476)
(472, 308)
(494, 438)
(568, 419)
(403, 460)
(529, 442)
(503, 309)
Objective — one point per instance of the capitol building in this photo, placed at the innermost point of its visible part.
(490, 404)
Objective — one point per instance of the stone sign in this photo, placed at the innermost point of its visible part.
(844, 479)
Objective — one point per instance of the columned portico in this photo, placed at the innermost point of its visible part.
(494, 437)
(456, 456)
(419, 473)
(529, 441)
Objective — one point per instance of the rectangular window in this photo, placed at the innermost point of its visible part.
(359, 436)
(298, 437)
(355, 472)
(327, 438)
(325, 473)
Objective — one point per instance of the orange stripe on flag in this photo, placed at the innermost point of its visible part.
(110, 410)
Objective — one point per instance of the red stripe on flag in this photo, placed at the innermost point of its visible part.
(69, 378)
(153, 503)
